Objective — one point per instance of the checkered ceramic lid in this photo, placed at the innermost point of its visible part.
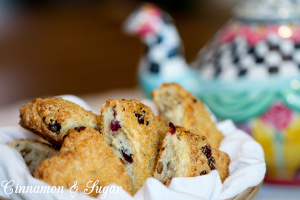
(263, 10)
(236, 59)
(261, 47)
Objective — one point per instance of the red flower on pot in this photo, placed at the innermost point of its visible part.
(278, 116)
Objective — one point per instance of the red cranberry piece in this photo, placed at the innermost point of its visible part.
(211, 163)
(140, 118)
(115, 125)
(206, 151)
(54, 126)
(115, 113)
(128, 158)
(172, 128)
(80, 128)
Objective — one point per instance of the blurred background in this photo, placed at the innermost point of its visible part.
(78, 47)
(54, 47)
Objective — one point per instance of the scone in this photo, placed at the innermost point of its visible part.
(180, 107)
(84, 157)
(33, 152)
(222, 160)
(185, 154)
(51, 118)
(133, 133)
(162, 130)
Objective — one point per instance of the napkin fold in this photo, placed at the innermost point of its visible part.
(247, 169)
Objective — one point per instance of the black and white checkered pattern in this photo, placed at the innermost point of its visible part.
(229, 61)
(164, 52)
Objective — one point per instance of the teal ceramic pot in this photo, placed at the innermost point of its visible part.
(251, 74)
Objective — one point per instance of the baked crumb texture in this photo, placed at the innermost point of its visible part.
(84, 156)
(51, 118)
(132, 145)
(182, 108)
(186, 154)
(134, 134)
(33, 152)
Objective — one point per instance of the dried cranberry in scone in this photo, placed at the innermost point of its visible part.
(181, 107)
(51, 118)
(186, 154)
(83, 158)
(172, 128)
(133, 133)
(115, 125)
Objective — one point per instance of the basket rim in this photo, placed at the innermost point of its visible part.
(248, 194)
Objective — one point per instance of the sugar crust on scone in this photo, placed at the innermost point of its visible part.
(84, 157)
(180, 107)
(222, 160)
(134, 134)
(186, 154)
(51, 118)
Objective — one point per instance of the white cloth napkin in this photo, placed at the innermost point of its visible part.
(247, 169)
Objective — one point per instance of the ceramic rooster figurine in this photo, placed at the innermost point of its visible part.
(164, 60)
(249, 73)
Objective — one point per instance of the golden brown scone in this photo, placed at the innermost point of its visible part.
(84, 156)
(162, 130)
(180, 107)
(222, 160)
(131, 130)
(51, 118)
(185, 154)
(33, 152)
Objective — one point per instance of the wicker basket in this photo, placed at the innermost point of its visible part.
(248, 194)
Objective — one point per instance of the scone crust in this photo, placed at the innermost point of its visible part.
(51, 118)
(194, 115)
(195, 155)
(195, 142)
(140, 126)
(84, 156)
(188, 147)
(222, 160)
(162, 129)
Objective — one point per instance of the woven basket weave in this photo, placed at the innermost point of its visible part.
(248, 194)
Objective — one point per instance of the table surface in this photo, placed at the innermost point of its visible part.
(9, 116)
(275, 192)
